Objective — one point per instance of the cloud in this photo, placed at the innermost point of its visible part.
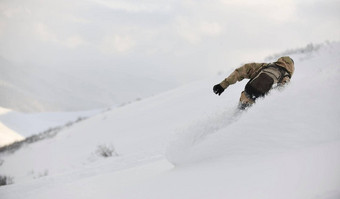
(177, 32)
(75, 19)
(11, 12)
(117, 44)
(278, 10)
(44, 34)
(2, 27)
(134, 6)
(47, 35)
(210, 28)
(195, 32)
(74, 41)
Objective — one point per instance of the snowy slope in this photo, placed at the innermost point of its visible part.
(189, 143)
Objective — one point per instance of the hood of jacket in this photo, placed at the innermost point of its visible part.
(287, 63)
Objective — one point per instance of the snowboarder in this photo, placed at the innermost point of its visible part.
(262, 78)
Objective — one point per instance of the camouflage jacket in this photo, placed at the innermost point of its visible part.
(250, 70)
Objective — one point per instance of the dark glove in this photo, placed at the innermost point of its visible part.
(218, 89)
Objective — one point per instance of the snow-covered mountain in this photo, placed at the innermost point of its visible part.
(7, 135)
(30, 88)
(15, 126)
(190, 143)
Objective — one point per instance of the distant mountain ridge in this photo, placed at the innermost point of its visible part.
(29, 88)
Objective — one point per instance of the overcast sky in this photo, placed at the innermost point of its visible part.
(183, 37)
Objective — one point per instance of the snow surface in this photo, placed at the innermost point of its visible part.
(190, 143)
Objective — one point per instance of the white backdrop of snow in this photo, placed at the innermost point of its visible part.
(189, 143)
